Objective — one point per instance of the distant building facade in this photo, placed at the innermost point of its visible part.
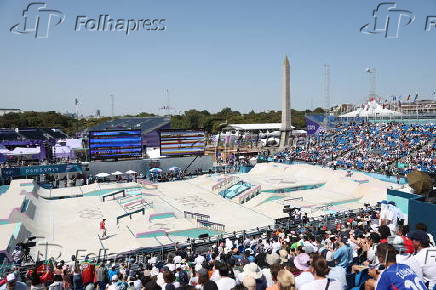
(6, 111)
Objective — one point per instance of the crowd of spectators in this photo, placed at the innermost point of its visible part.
(372, 249)
(371, 147)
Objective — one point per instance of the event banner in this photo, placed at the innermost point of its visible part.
(43, 169)
(312, 127)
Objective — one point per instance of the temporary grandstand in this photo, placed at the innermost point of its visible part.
(29, 143)
(149, 126)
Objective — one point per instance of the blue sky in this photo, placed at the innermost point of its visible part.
(213, 54)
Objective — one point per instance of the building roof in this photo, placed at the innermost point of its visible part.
(266, 126)
(146, 124)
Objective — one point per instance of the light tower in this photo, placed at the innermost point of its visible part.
(112, 100)
(372, 82)
(326, 87)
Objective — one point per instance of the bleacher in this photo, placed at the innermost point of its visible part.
(8, 135)
(145, 124)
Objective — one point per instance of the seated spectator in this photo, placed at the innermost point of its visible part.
(320, 270)
(302, 262)
(286, 280)
(225, 282)
(203, 281)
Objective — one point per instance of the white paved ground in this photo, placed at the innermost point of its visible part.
(72, 223)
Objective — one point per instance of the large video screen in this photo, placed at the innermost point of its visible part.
(115, 144)
(182, 142)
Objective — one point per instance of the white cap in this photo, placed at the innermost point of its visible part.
(10, 277)
(177, 259)
(114, 278)
(198, 267)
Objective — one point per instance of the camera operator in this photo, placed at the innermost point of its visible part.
(18, 254)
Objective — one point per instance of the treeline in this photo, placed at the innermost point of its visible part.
(213, 122)
(191, 119)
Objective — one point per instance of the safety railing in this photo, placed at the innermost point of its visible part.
(129, 214)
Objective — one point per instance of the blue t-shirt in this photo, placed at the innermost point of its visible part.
(342, 256)
(399, 277)
(111, 273)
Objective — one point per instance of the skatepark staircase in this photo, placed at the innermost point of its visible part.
(196, 216)
(132, 204)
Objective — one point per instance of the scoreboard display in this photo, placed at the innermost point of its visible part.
(115, 144)
(182, 142)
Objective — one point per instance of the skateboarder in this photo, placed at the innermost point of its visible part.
(103, 228)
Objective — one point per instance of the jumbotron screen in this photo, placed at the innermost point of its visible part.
(181, 142)
(115, 144)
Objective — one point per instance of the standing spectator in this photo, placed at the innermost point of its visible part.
(13, 283)
(395, 276)
(77, 277)
(425, 255)
(35, 280)
(344, 254)
(101, 276)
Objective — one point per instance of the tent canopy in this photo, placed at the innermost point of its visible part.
(371, 109)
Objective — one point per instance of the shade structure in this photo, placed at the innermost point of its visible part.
(117, 173)
(131, 172)
(421, 182)
(155, 170)
(102, 174)
(174, 168)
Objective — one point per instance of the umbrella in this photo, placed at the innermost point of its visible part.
(155, 170)
(421, 182)
(102, 174)
(174, 169)
(131, 172)
(117, 173)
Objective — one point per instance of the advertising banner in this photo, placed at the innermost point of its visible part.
(43, 169)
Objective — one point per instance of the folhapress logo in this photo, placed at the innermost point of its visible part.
(387, 19)
(38, 20)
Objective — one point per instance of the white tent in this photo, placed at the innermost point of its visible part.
(25, 151)
(102, 174)
(372, 109)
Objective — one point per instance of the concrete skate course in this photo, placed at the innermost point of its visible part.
(73, 223)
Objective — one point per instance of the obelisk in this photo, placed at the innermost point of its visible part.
(286, 105)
